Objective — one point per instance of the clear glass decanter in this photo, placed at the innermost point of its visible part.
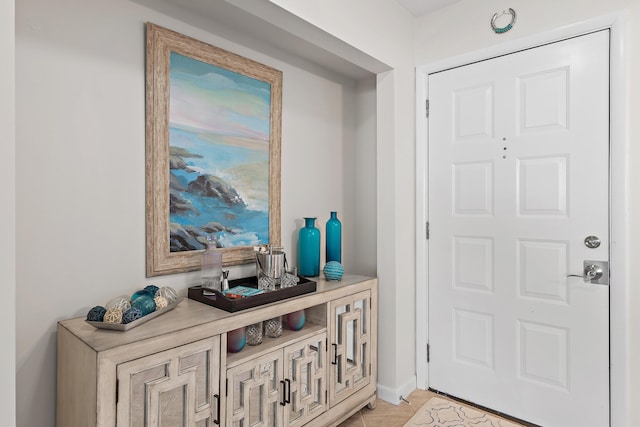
(212, 265)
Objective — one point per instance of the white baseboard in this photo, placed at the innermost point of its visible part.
(392, 395)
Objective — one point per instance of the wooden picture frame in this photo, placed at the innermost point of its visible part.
(215, 121)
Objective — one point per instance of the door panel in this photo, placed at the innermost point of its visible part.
(518, 177)
(255, 393)
(305, 368)
(350, 350)
(177, 387)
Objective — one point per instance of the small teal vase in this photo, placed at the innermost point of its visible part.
(334, 238)
(236, 340)
(296, 320)
(309, 249)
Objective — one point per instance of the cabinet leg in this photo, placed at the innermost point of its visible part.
(371, 405)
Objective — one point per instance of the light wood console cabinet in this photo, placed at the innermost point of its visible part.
(175, 371)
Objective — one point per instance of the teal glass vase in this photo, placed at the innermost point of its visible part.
(309, 249)
(333, 248)
(296, 320)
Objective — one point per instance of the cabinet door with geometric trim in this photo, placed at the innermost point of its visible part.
(177, 387)
(256, 392)
(305, 379)
(349, 345)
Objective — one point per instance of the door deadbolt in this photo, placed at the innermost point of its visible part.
(592, 242)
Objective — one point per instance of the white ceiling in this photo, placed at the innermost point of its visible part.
(422, 7)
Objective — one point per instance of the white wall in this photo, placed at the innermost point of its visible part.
(383, 30)
(464, 28)
(80, 178)
(365, 193)
(7, 214)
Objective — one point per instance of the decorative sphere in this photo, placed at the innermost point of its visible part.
(169, 293)
(96, 314)
(161, 302)
(333, 270)
(152, 288)
(141, 293)
(236, 340)
(296, 320)
(132, 314)
(121, 303)
(145, 303)
(113, 315)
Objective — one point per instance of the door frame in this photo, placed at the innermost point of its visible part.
(619, 358)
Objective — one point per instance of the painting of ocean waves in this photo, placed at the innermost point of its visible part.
(218, 156)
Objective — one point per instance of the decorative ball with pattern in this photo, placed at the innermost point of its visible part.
(333, 270)
(152, 288)
(121, 302)
(161, 302)
(145, 303)
(96, 314)
(113, 315)
(132, 314)
(141, 293)
(169, 293)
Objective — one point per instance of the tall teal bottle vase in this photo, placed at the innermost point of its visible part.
(333, 249)
(309, 249)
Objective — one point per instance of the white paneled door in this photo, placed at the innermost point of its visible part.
(518, 182)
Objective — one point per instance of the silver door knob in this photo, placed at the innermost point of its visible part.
(595, 272)
(592, 272)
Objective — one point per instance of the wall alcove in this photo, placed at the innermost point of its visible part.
(278, 36)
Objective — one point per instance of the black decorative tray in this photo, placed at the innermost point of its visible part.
(218, 300)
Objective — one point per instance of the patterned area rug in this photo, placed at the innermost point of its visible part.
(443, 413)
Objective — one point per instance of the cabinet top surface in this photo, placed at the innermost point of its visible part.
(190, 314)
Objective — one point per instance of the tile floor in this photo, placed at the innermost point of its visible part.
(388, 415)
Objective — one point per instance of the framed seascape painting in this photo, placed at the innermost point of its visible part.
(213, 126)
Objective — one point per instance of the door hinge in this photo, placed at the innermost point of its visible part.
(427, 230)
(426, 106)
(117, 389)
(226, 387)
(428, 353)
